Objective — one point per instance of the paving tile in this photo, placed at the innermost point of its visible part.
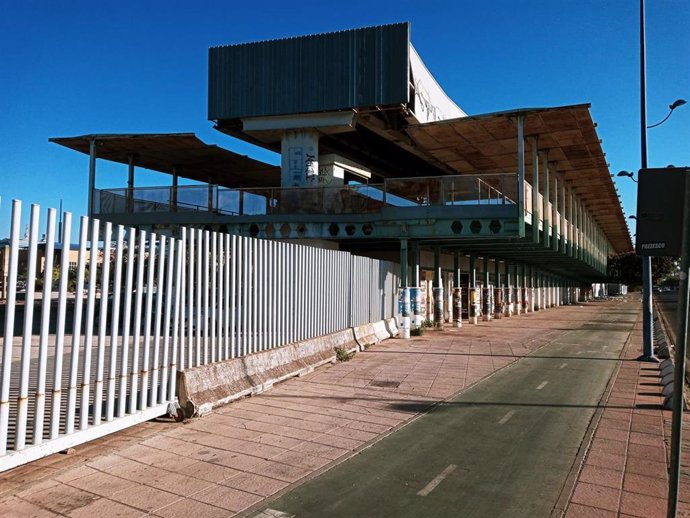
(100, 483)
(594, 495)
(601, 476)
(584, 511)
(61, 498)
(18, 508)
(227, 498)
(208, 471)
(257, 484)
(145, 498)
(642, 484)
(188, 507)
(643, 506)
(106, 508)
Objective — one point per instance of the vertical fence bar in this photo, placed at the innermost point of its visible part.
(206, 286)
(190, 312)
(126, 320)
(40, 399)
(170, 272)
(220, 238)
(90, 315)
(269, 294)
(76, 327)
(143, 392)
(234, 310)
(212, 287)
(160, 294)
(176, 331)
(23, 399)
(182, 309)
(199, 283)
(244, 264)
(55, 411)
(115, 325)
(102, 324)
(8, 337)
(259, 287)
(141, 270)
(228, 287)
(254, 293)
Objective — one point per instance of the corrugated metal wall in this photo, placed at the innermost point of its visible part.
(323, 72)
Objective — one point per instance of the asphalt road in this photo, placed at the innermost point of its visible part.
(504, 448)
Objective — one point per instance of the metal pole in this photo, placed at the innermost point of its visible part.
(647, 324)
(679, 369)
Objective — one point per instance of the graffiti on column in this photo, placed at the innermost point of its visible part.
(295, 165)
(310, 165)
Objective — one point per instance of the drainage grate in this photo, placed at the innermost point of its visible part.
(385, 384)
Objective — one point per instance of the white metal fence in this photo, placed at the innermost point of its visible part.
(97, 348)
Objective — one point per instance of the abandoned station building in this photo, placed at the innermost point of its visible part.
(488, 215)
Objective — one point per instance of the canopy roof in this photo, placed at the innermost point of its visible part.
(182, 153)
(487, 144)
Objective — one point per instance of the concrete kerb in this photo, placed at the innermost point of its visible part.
(203, 388)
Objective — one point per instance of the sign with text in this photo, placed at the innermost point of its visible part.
(660, 200)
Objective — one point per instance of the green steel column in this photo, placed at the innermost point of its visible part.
(521, 174)
(535, 191)
(547, 210)
(555, 229)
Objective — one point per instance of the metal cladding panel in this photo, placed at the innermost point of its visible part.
(324, 72)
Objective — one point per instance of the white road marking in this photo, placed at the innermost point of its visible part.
(439, 478)
(563, 366)
(507, 417)
(542, 385)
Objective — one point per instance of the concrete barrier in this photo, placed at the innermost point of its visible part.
(203, 388)
(365, 335)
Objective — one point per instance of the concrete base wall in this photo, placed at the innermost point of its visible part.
(201, 389)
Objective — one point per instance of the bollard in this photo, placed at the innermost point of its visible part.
(416, 300)
(457, 307)
(405, 312)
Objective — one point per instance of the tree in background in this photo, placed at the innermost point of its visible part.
(627, 269)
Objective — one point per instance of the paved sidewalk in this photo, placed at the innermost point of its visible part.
(240, 454)
(625, 470)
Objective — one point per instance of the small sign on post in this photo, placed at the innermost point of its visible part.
(660, 201)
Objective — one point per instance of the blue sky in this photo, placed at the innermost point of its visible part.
(70, 68)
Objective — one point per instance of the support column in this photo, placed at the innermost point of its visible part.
(498, 290)
(415, 290)
(173, 197)
(555, 227)
(571, 223)
(509, 290)
(547, 210)
(521, 174)
(92, 174)
(487, 293)
(531, 288)
(564, 231)
(516, 290)
(404, 304)
(535, 190)
(438, 288)
(474, 308)
(457, 291)
(130, 184)
(299, 163)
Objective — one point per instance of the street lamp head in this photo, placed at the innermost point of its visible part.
(632, 216)
(677, 103)
(628, 174)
